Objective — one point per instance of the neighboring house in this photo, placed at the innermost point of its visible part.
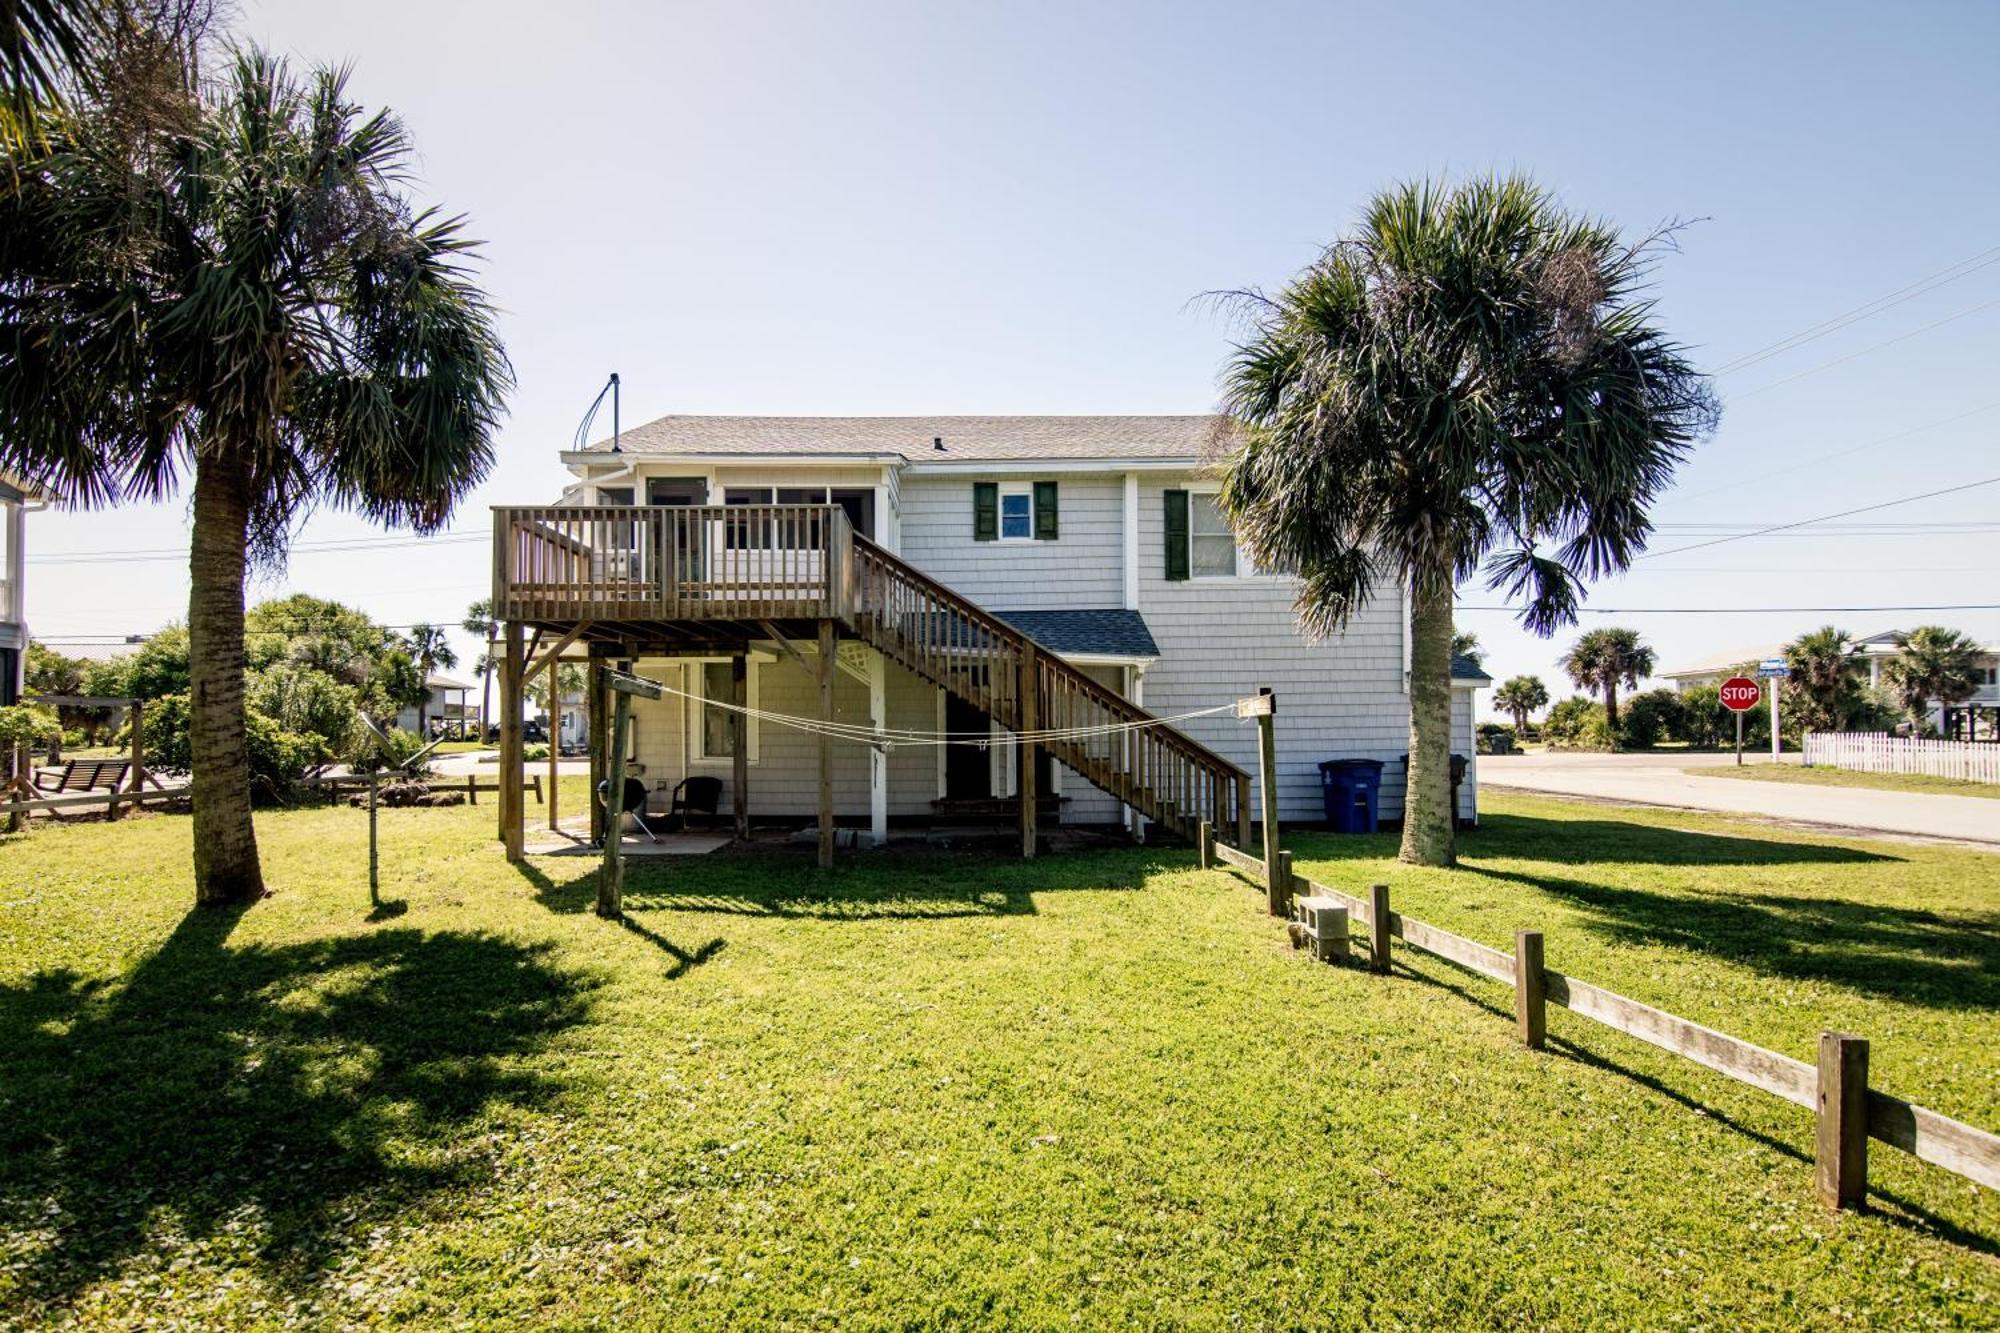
(1098, 538)
(446, 703)
(18, 498)
(1977, 715)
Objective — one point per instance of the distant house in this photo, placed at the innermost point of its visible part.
(1978, 715)
(18, 498)
(947, 552)
(446, 703)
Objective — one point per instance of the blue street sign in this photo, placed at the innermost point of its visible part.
(1773, 668)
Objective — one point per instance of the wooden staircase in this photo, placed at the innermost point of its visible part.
(949, 640)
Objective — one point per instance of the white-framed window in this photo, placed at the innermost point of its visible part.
(1213, 551)
(1017, 511)
(709, 739)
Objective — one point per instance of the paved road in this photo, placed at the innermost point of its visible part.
(1659, 779)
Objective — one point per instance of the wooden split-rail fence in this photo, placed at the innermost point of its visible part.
(1835, 1089)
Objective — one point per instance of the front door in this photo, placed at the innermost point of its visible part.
(968, 766)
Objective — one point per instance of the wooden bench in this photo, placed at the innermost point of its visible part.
(85, 775)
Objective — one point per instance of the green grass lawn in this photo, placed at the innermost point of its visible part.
(1840, 777)
(1096, 1089)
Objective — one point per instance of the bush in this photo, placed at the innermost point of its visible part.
(1495, 738)
(305, 700)
(1569, 725)
(1652, 717)
(393, 751)
(278, 758)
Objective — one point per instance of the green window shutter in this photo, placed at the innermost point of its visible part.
(986, 511)
(1045, 511)
(1177, 536)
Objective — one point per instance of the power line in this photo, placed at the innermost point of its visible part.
(1839, 453)
(1951, 273)
(1842, 360)
(1824, 518)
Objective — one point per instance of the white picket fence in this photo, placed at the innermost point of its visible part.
(1879, 752)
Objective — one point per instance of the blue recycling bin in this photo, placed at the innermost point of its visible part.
(1352, 789)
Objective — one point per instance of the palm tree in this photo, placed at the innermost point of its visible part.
(1466, 645)
(432, 649)
(246, 303)
(479, 622)
(1604, 659)
(1519, 697)
(1472, 373)
(1934, 664)
(1824, 689)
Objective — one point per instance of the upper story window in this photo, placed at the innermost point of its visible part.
(1201, 544)
(1014, 511)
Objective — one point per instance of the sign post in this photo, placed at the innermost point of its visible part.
(1774, 670)
(1739, 695)
(1263, 706)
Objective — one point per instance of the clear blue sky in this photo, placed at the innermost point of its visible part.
(945, 207)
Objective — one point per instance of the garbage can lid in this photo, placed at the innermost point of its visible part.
(1350, 765)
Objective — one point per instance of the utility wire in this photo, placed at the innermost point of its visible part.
(1824, 518)
(1952, 273)
(1838, 453)
(1843, 360)
(1749, 610)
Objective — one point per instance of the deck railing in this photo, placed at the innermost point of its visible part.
(672, 562)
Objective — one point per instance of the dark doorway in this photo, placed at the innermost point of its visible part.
(968, 767)
(860, 507)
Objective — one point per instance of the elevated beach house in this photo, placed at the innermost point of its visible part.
(976, 578)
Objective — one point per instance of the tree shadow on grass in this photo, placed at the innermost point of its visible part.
(872, 886)
(1467, 985)
(1934, 959)
(278, 1101)
(1600, 841)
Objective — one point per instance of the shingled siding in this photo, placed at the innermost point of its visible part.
(1083, 567)
(1223, 638)
(784, 779)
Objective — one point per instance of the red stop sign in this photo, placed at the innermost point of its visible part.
(1740, 694)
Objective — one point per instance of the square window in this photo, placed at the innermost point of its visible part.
(710, 738)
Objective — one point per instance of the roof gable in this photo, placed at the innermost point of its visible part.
(918, 439)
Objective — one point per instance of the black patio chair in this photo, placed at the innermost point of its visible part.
(699, 795)
(634, 805)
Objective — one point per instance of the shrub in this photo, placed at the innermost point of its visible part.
(305, 700)
(1652, 717)
(278, 758)
(1570, 720)
(1495, 738)
(393, 750)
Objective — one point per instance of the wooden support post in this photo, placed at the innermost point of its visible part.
(1378, 928)
(1267, 774)
(739, 743)
(826, 666)
(17, 771)
(374, 859)
(1243, 811)
(1840, 1172)
(472, 789)
(138, 746)
(1204, 845)
(878, 756)
(513, 808)
(1531, 1018)
(555, 732)
(611, 878)
(1280, 888)
(1030, 710)
(600, 758)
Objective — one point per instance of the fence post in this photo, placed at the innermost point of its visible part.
(1279, 873)
(1531, 1018)
(1204, 841)
(1840, 1157)
(1378, 928)
(1267, 774)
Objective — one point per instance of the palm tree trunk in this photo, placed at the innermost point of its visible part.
(1611, 705)
(1429, 829)
(226, 868)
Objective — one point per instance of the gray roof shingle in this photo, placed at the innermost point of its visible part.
(1108, 633)
(910, 438)
(1464, 668)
